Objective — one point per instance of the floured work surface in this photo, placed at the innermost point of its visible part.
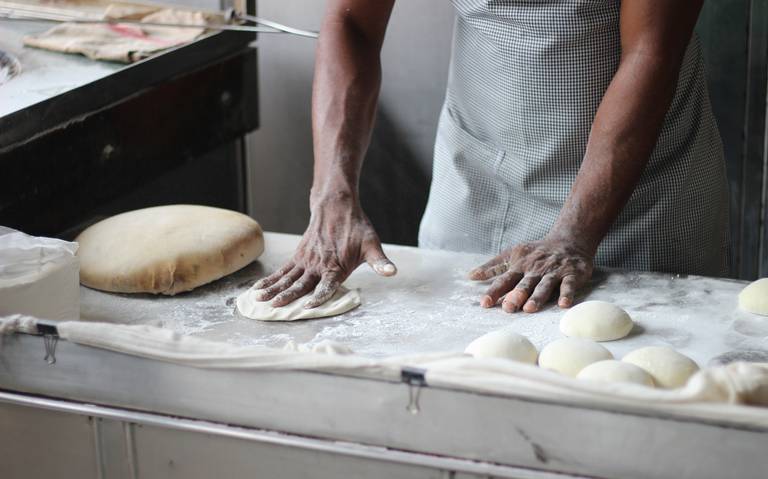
(431, 306)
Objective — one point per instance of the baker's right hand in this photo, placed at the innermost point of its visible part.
(338, 239)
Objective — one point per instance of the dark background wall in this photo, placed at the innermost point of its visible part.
(415, 59)
(734, 34)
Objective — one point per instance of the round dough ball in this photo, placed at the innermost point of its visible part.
(503, 344)
(613, 371)
(570, 355)
(754, 297)
(668, 368)
(167, 249)
(596, 320)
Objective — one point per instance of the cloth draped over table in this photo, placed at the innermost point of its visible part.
(727, 392)
(123, 42)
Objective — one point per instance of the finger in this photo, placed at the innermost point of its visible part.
(281, 285)
(272, 278)
(541, 294)
(500, 286)
(324, 290)
(378, 261)
(488, 270)
(301, 287)
(515, 299)
(568, 289)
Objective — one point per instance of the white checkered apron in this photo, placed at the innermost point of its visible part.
(525, 82)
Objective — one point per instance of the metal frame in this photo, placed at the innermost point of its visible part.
(129, 419)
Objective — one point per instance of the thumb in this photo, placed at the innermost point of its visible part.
(378, 261)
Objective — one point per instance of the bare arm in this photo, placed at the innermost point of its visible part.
(654, 37)
(344, 95)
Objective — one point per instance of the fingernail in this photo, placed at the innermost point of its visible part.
(530, 306)
(486, 301)
(260, 295)
(384, 268)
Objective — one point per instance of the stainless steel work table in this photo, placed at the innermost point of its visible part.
(158, 418)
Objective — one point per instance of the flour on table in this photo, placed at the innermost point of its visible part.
(342, 301)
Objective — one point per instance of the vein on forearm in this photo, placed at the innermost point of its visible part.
(345, 92)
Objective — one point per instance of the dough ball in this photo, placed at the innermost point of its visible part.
(570, 355)
(668, 368)
(343, 300)
(167, 249)
(754, 297)
(596, 320)
(503, 344)
(613, 371)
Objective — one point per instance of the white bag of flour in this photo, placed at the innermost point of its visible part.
(38, 276)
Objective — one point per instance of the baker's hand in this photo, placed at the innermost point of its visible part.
(339, 238)
(528, 274)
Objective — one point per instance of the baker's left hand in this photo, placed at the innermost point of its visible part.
(526, 275)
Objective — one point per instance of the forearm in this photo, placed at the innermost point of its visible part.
(344, 98)
(624, 133)
(654, 37)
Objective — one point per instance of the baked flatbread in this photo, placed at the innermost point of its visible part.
(167, 249)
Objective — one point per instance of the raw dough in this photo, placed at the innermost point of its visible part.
(754, 297)
(668, 368)
(570, 355)
(342, 301)
(167, 249)
(596, 320)
(503, 344)
(613, 371)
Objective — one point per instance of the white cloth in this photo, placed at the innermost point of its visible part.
(38, 276)
(18, 323)
(716, 393)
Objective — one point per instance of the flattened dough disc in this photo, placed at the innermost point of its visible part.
(342, 301)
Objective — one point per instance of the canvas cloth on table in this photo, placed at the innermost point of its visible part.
(718, 393)
(125, 43)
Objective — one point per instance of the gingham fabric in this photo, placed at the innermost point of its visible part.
(525, 82)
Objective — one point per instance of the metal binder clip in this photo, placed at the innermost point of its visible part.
(50, 341)
(414, 378)
(50, 338)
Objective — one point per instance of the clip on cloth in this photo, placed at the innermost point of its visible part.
(415, 379)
